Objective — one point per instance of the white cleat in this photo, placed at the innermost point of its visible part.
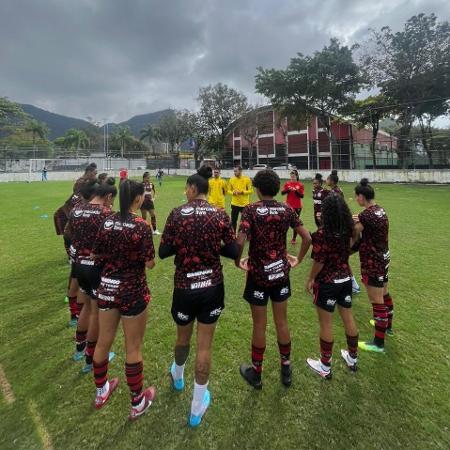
(351, 362)
(317, 366)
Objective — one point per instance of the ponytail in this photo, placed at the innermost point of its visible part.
(129, 190)
(365, 189)
(334, 177)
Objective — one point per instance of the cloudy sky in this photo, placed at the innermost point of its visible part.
(111, 59)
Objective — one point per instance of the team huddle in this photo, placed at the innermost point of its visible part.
(110, 252)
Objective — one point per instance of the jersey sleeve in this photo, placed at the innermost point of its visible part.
(248, 186)
(148, 251)
(168, 236)
(246, 222)
(363, 217)
(319, 253)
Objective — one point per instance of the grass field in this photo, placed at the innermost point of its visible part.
(397, 400)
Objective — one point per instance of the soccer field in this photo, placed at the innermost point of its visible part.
(398, 399)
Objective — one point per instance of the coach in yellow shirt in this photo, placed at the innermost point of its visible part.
(240, 188)
(217, 190)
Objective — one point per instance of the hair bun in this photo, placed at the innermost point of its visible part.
(318, 176)
(111, 181)
(205, 172)
(364, 182)
(334, 172)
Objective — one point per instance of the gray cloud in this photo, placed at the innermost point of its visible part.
(115, 58)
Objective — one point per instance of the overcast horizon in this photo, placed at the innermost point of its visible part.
(113, 60)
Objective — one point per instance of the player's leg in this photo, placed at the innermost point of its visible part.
(181, 352)
(72, 295)
(82, 326)
(153, 221)
(279, 310)
(389, 303)
(234, 216)
(108, 320)
(350, 355)
(134, 329)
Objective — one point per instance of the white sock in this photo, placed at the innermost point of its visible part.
(199, 393)
(179, 371)
(104, 390)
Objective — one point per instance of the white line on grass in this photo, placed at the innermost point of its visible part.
(37, 419)
(6, 387)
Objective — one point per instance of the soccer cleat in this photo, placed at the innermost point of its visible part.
(389, 331)
(286, 374)
(251, 376)
(178, 384)
(88, 367)
(78, 356)
(156, 233)
(351, 362)
(100, 399)
(369, 346)
(196, 420)
(73, 322)
(147, 399)
(317, 366)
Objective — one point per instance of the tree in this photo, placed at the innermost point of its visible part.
(153, 135)
(10, 110)
(37, 129)
(220, 106)
(248, 126)
(369, 112)
(411, 69)
(173, 129)
(73, 139)
(123, 136)
(323, 84)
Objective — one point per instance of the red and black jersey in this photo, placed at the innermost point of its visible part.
(266, 223)
(295, 192)
(84, 221)
(318, 196)
(122, 247)
(374, 247)
(196, 231)
(149, 189)
(337, 190)
(329, 251)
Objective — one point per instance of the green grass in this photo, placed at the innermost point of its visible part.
(396, 400)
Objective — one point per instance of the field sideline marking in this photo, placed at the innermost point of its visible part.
(37, 419)
(6, 387)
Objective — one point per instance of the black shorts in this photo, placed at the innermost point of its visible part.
(259, 295)
(326, 295)
(88, 278)
(148, 204)
(127, 307)
(378, 281)
(205, 305)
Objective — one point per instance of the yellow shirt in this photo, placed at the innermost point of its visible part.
(243, 184)
(217, 191)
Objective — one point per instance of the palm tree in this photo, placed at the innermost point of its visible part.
(124, 136)
(38, 129)
(152, 134)
(75, 138)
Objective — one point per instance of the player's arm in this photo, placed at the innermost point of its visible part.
(68, 231)
(248, 188)
(306, 242)
(359, 227)
(230, 188)
(285, 190)
(166, 246)
(229, 249)
(240, 241)
(300, 192)
(315, 270)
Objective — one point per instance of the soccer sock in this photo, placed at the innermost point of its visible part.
(285, 353)
(153, 221)
(197, 400)
(89, 352)
(73, 307)
(80, 340)
(257, 358)
(101, 375)
(135, 381)
(390, 308)
(326, 352)
(79, 307)
(352, 345)
(380, 316)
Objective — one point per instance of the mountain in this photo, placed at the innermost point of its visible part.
(137, 123)
(57, 123)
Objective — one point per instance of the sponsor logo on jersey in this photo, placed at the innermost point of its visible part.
(284, 291)
(87, 262)
(201, 284)
(199, 273)
(273, 266)
(108, 224)
(107, 298)
(78, 212)
(187, 211)
(262, 211)
(110, 281)
(380, 213)
(258, 294)
(275, 276)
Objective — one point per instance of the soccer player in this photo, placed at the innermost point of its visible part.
(84, 222)
(102, 178)
(123, 175)
(90, 173)
(372, 225)
(149, 206)
(295, 191)
(330, 282)
(332, 182)
(240, 188)
(265, 224)
(124, 247)
(318, 195)
(217, 190)
(197, 234)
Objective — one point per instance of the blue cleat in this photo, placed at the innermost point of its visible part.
(78, 356)
(73, 323)
(178, 385)
(195, 421)
(88, 367)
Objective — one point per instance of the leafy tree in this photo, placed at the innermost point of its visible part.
(411, 69)
(73, 139)
(323, 84)
(153, 135)
(220, 106)
(173, 129)
(37, 129)
(9, 110)
(124, 137)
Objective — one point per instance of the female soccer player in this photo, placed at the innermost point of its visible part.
(124, 248)
(332, 182)
(148, 206)
(194, 233)
(217, 190)
(240, 188)
(330, 281)
(265, 224)
(295, 191)
(372, 225)
(102, 178)
(318, 195)
(84, 222)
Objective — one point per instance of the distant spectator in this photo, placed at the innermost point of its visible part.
(44, 174)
